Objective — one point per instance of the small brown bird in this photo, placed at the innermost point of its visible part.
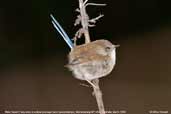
(92, 60)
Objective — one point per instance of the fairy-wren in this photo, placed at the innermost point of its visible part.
(91, 60)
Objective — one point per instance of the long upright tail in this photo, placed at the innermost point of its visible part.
(61, 31)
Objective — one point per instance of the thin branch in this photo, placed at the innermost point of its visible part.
(91, 25)
(94, 4)
(96, 18)
(83, 18)
(86, 22)
(98, 95)
(78, 20)
(77, 10)
(79, 33)
(85, 2)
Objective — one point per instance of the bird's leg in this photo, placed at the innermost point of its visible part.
(85, 85)
(94, 86)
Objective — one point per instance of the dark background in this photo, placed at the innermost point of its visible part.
(33, 55)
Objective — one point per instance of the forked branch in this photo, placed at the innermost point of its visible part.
(84, 20)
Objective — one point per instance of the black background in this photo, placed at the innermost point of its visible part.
(33, 55)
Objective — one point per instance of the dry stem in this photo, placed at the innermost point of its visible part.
(98, 94)
(83, 18)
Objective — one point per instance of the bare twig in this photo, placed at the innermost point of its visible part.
(83, 18)
(85, 2)
(96, 18)
(94, 4)
(78, 34)
(78, 20)
(98, 94)
(77, 10)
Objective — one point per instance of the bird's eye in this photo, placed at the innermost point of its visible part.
(107, 48)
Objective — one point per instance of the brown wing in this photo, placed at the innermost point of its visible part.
(84, 58)
(85, 53)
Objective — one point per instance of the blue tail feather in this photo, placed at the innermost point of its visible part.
(61, 31)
